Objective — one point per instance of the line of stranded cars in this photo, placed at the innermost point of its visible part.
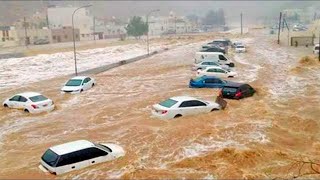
(212, 67)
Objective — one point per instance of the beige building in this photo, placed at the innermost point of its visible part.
(59, 17)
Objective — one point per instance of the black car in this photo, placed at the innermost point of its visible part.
(212, 49)
(233, 90)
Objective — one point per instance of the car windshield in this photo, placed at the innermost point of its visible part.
(50, 158)
(230, 89)
(74, 82)
(38, 98)
(240, 46)
(103, 147)
(168, 103)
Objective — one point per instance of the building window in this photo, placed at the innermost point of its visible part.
(66, 36)
(54, 37)
(11, 39)
(82, 35)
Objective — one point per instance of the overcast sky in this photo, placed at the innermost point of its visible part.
(251, 10)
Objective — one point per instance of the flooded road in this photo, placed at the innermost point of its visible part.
(258, 137)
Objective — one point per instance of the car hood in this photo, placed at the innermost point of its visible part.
(117, 150)
(70, 88)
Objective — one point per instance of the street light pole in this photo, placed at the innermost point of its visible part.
(147, 19)
(74, 42)
(319, 48)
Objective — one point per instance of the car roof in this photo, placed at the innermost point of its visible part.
(71, 147)
(233, 84)
(218, 53)
(216, 67)
(209, 77)
(28, 94)
(183, 98)
(79, 77)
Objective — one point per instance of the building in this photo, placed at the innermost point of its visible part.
(59, 17)
(110, 28)
(8, 36)
(64, 34)
(171, 24)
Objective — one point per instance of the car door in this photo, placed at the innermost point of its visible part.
(98, 155)
(211, 72)
(186, 108)
(222, 73)
(86, 84)
(13, 102)
(73, 161)
(21, 104)
(200, 107)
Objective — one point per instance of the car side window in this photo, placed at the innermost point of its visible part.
(209, 81)
(15, 98)
(198, 103)
(217, 81)
(185, 104)
(96, 152)
(205, 63)
(220, 71)
(69, 158)
(221, 57)
(211, 70)
(23, 99)
(86, 80)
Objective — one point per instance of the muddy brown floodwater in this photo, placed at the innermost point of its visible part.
(258, 137)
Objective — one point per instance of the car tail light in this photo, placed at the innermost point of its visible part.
(220, 92)
(164, 111)
(238, 94)
(34, 106)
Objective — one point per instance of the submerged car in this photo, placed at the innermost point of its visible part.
(207, 82)
(178, 106)
(78, 84)
(31, 102)
(216, 71)
(207, 63)
(240, 48)
(76, 155)
(233, 90)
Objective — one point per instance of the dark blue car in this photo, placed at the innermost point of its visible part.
(207, 82)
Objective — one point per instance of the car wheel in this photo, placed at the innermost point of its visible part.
(230, 76)
(231, 64)
(214, 109)
(92, 84)
(178, 115)
(5, 105)
(81, 90)
(26, 110)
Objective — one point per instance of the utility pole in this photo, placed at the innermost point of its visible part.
(147, 21)
(25, 31)
(319, 48)
(241, 23)
(94, 29)
(175, 25)
(279, 27)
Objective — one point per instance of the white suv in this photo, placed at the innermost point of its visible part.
(316, 49)
(77, 155)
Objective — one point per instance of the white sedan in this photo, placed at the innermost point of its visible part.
(207, 63)
(78, 84)
(216, 71)
(182, 106)
(78, 154)
(31, 102)
(240, 48)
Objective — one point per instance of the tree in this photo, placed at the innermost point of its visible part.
(214, 18)
(136, 27)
